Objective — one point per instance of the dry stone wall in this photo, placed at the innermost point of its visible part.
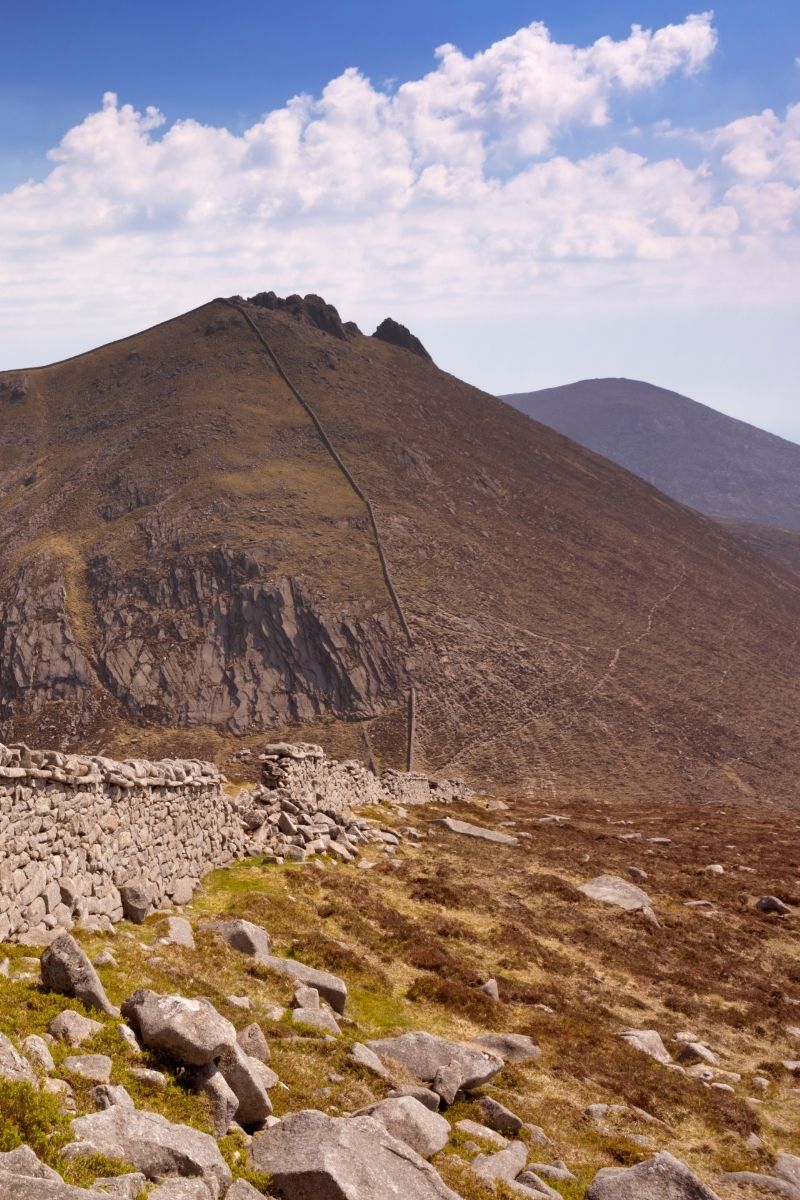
(73, 830)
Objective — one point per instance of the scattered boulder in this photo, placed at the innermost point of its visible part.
(224, 1102)
(72, 1027)
(179, 932)
(23, 1187)
(368, 1058)
(498, 1117)
(446, 1082)
(762, 1183)
(123, 1187)
(243, 936)
(335, 1158)
(787, 1166)
(252, 1041)
(333, 989)
(242, 1190)
(660, 1178)
(137, 900)
(23, 1161)
(66, 969)
(505, 1164)
(149, 1077)
(37, 1052)
(411, 1122)
(423, 1054)
(696, 1052)
(248, 1079)
(611, 889)
(491, 989)
(191, 1032)
(180, 1189)
(475, 1130)
(773, 904)
(12, 1065)
(477, 831)
(152, 1144)
(648, 1041)
(510, 1047)
(106, 1094)
(96, 1067)
(320, 1019)
(426, 1096)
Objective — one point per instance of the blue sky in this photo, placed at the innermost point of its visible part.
(540, 207)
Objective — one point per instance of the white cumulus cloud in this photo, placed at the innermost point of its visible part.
(456, 188)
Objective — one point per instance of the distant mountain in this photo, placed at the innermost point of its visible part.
(716, 464)
(234, 525)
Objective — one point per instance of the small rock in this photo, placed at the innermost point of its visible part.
(37, 1052)
(476, 831)
(191, 1032)
(369, 1059)
(474, 1129)
(447, 1081)
(411, 1122)
(510, 1047)
(72, 1027)
(773, 904)
(243, 936)
(498, 1117)
(122, 1187)
(179, 932)
(252, 1041)
(106, 1094)
(506, 1164)
(96, 1067)
(149, 1077)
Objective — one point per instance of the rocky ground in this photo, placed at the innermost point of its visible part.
(654, 1008)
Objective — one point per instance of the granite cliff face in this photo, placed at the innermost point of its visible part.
(254, 518)
(213, 641)
(201, 640)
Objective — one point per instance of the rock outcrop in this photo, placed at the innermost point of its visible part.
(211, 640)
(396, 334)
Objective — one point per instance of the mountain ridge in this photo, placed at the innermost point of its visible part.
(720, 465)
(569, 632)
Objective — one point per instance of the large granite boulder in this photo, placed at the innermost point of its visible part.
(153, 1145)
(661, 1178)
(423, 1055)
(407, 1119)
(191, 1032)
(309, 1154)
(66, 969)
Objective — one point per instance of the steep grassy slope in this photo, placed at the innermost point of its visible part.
(718, 465)
(180, 552)
(416, 936)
